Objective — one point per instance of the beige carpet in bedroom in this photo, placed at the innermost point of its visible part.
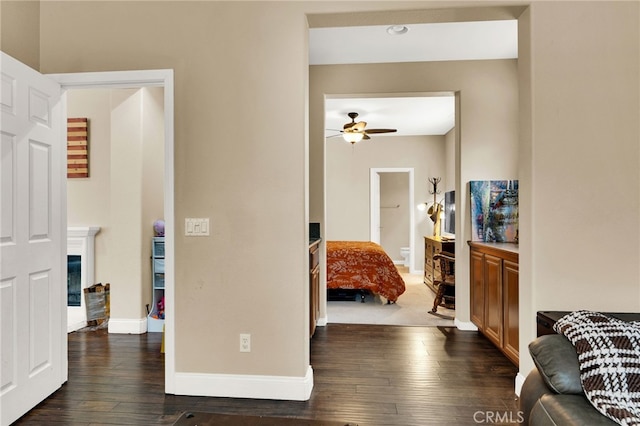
(412, 308)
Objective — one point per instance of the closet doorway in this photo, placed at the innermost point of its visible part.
(391, 214)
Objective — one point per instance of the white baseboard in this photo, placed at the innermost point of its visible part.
(465, 325)
(519, 382)
(245, 386)
(128, 326)
(76, 326)
(321, 322)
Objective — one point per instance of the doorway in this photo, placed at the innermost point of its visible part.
(140, 79)
(386, 207)
(121, 198)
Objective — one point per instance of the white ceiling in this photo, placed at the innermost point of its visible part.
(433, 115)
(414, 115)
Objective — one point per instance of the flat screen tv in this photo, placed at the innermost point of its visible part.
(450, 212)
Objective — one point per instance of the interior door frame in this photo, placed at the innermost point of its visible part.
(136, 79)
(374, 205)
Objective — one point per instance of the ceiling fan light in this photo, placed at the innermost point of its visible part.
(353, 137)
(397, 29)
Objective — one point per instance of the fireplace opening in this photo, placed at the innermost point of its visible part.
(74, 280)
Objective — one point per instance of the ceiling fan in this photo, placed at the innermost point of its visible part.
(355, 132)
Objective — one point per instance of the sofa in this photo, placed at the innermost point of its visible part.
(586, 374)
(552, 393)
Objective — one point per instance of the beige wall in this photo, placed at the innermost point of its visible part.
(153, 158)
(20, 31)
(239, 160)
(580, 141)
(450, 160)
(89, 200)
(124, 192)
(580, 89)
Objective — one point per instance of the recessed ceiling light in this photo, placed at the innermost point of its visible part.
(397, 29)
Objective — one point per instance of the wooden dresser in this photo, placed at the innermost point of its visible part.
(433, 246)
(494, 294)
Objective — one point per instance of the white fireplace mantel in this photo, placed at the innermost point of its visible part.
(81, 242)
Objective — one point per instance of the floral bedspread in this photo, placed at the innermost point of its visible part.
(363, 265)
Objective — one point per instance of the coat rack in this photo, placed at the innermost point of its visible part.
(434, 211)
(435, 181)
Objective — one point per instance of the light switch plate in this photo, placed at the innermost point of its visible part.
(196, 226)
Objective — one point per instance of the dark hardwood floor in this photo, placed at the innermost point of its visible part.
(363, 374)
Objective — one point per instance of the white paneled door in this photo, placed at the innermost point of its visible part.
(33, 327)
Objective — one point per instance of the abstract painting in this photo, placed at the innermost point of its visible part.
(494, 211)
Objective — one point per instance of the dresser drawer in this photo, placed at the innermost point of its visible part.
(428, 276)
(433, 246)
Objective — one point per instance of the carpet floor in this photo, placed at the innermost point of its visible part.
(412, 307)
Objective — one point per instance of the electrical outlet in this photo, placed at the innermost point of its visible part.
(245, 343)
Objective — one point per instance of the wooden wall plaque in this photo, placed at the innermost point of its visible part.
(77, 148)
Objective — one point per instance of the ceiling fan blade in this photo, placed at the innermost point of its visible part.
(359, 126)
(381, 130)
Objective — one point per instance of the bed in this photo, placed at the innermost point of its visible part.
(362, 266)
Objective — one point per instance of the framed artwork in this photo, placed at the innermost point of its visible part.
(494, 211)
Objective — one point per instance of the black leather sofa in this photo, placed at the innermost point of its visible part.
(552, 393)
